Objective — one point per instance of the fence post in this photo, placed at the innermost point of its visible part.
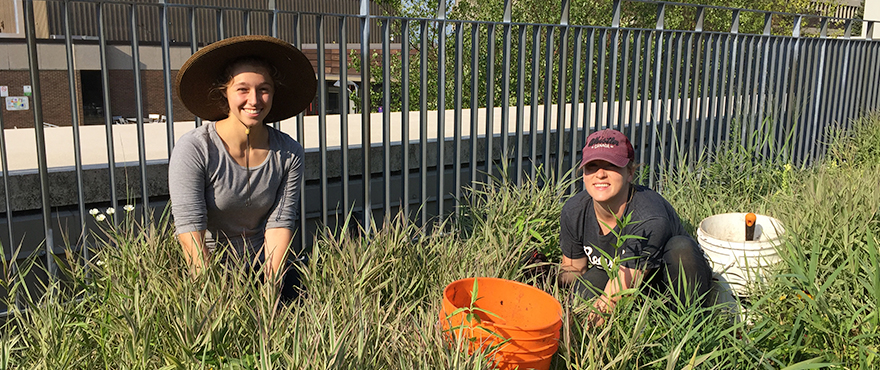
(734, 23)
(365, 111)
(34, 66)
(661, 15)
(77, 142)
(566, 6)
(166, 69)
(273, 20)
(615, 18)
(700, 17)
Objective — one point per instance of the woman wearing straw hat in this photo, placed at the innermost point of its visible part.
(236, 181)
(661, 252)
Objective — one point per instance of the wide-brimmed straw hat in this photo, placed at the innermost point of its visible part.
(294, 88)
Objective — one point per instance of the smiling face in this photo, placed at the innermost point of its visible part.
(607, 183)
(249, 93)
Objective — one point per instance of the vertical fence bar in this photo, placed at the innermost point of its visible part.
(714, 107)
(633, 84)
(193, 45)
(798, 91)
(533, 117)
(790, 90)
(646, 97)
(656, 111)
(548, 104)
(166, 76)
(858, 68)
(404, 115)
(490, 99)
(457, 118)
(853, 82)
(246, 19)
(624, 86)
(832, 83)
(423, 120)
(108, 123)
(764, 91)
(815, 99)
(77, 142)
(520, 104)
(701, 115)
(600, 81)
(822, 81)
(366, 130)
(344, 97)
(34, 66)
(674, 118)
(441, 114)
(732, 93)
(475, 100)
(322, 113)
(386, 115)
(300, 137)
(750, 88)
(575, 103)
(561, 102)
(612, 74)
(725, 92)
(780, 104)
(665, 107)
(505, 99)
(685, 122)
(273, 17)
(139, 108)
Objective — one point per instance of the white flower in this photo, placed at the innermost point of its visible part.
(110, 211)
(128, 207)
(93, 211)
(100, 217)
(99, 263)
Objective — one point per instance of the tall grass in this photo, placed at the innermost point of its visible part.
(373, 303)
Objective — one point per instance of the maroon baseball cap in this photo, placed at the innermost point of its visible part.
(608, 145)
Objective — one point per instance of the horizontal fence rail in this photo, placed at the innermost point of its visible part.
(410, 112)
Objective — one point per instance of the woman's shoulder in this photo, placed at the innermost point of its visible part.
(577, 203)
(196, 139)
(285, 142)
(650, 204)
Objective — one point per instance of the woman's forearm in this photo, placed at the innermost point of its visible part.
(275, 252)
(195, 252)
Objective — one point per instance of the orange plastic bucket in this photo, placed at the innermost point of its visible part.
(521, 331)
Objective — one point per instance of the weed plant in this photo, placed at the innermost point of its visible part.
(373, 303)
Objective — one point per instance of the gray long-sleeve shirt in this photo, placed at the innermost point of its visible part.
(209, 190)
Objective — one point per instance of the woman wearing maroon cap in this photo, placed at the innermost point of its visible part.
(663, 254)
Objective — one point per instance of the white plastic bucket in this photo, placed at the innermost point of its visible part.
(740, 262)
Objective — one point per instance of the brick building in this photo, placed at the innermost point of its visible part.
(191, 24)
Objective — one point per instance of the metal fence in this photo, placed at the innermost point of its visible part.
(463, 101)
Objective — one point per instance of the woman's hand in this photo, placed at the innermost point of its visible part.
(604, 304)
(195, 252)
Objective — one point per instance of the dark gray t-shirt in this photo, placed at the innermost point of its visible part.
(653, 219)
(209, 190)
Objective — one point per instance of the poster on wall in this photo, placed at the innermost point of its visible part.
(17, 103)
(4, 91)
